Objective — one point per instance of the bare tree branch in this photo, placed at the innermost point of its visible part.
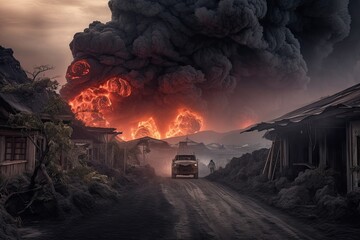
(38, 70)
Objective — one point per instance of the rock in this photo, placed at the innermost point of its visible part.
(11, 71)
(290, 197)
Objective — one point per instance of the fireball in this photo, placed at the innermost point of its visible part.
(91, 104)
(102, 104)
(78, 70)
(146, 129)
(186, 122)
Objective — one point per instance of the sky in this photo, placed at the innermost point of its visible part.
(39, 31)
(232, 61)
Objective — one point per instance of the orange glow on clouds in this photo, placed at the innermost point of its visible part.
(146, 128)
(91, 104)
(186, 122)
(247, 123)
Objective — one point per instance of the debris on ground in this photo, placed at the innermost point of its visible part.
(312, 189)
(79, 191)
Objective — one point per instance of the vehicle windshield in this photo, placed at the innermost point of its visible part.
(185, 157)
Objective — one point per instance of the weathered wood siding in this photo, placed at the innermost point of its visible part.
(353, 157)
(13, 168)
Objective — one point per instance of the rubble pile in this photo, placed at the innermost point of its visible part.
(244, 173)
(311, 189)
(79, 191)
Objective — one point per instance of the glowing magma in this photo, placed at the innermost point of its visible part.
(146, 129)
(94, 105)
(186, 122)
(89, 106)
(78, 70)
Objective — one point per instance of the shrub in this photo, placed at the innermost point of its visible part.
(83, 201)
(103, 191)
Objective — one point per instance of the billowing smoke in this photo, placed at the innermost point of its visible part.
(219, 60)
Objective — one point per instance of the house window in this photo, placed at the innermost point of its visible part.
(15, 148)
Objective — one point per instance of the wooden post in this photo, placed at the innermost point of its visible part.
(276, 161)
(271, 160)
(268, 158)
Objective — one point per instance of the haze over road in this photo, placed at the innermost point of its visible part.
(183, 209)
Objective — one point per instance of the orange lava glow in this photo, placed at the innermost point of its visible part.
(89, 106)
(78, 69)
(118, 86)
(146, 129)
(186, 122)
(98, 107)
(247, 123)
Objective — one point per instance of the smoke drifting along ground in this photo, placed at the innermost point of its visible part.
(215, 62)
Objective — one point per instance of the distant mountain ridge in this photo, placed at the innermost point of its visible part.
(227, 138)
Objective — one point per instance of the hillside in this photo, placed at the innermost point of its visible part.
(232, 138)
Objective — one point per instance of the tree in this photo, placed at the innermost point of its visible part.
(43, 124)
(55, 136)
(35, 74)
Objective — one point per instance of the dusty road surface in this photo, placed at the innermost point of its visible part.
(211, 211)
(180, 209)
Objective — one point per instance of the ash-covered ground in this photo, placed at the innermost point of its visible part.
(236, 202)
(312, 196)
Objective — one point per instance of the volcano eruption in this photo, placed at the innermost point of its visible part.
(172, 67)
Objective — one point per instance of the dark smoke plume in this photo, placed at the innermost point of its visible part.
(218, 58)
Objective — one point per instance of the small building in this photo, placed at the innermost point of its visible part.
(98, 143)
(17, 151)
(324, 134)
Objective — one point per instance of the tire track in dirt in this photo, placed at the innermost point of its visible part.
(210, 210)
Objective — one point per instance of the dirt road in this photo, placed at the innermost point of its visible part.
(181, 209)
(211, 211)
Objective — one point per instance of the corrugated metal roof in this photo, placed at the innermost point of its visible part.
(345, 100)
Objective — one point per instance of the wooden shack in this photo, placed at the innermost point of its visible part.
(97, 142)
(17, 151)
(324, 134)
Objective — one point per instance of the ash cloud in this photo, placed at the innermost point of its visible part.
(211, 56)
